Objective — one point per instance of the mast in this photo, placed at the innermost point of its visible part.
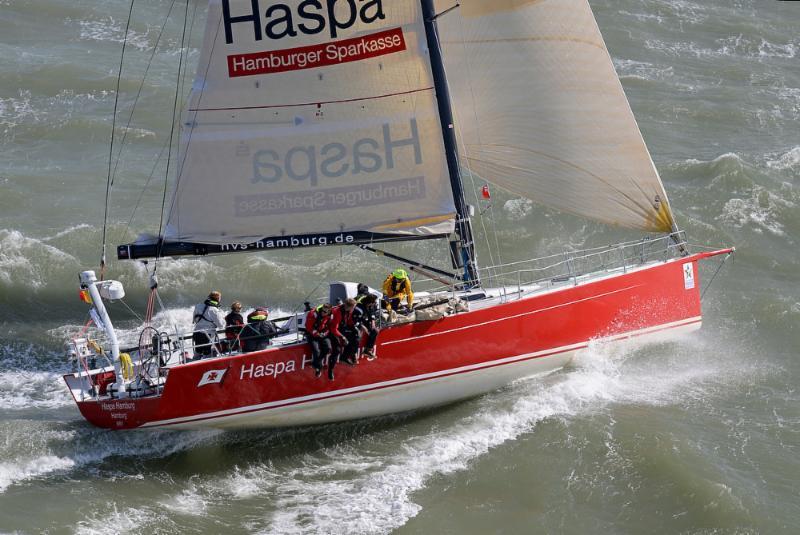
(464, 242)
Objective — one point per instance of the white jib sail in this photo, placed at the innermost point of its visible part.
(311, 117)
(542, 111)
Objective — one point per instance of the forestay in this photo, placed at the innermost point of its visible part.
(542, 111)
(311, 118)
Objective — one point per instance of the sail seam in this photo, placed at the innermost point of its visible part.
(344, 101)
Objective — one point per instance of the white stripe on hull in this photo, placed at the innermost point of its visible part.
(410, 393)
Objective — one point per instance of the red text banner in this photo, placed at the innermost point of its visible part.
(322, 55)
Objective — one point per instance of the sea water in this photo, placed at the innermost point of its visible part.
(697, 435)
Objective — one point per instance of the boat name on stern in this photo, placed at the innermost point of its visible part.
(123, 406)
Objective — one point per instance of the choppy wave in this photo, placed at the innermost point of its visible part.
(33, 449)
(108, 29)
(643, 70)
(24, 390)
(378, 486)
(518, 208)
(786, 161)
(759, 211)
(738, 47)
(28, 262)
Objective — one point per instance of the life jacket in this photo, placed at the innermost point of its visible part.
(398, 285)
(202, 315)
(316, 322)
(350, 320)
(394, 287)
(320, 321)
(233, 325)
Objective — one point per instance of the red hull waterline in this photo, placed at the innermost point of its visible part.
(420, 364)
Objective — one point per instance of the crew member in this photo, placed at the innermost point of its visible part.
(322, 332)
(207, 319)
(368, 322)
(362, 290)
(234, 322)
(259, 331)
(350, 329)
(397, 286)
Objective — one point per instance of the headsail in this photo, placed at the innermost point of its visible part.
(542, 111)
(311, 118)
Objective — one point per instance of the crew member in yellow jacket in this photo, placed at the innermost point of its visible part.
(397, 286)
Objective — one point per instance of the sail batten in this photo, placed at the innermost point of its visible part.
(543, 114)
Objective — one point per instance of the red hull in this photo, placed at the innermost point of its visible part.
(537, 327)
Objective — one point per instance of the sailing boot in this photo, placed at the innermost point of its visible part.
(331, 365)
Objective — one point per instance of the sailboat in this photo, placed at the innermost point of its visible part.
(354, 123)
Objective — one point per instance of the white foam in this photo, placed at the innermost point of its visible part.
(21, 470)
(33, 449)
(349, 489)
(22, 389)
(787, 161)
(111, 31)
(68, 231)
(518, 209)
(181, 273)
(28, 262)
(125, 520)
(642, 70)
(643, 17)
(758, 212)
(190, 502)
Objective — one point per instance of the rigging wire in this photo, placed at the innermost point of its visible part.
(139, 91)
(133, 110)
(492, 272)
(137, 316)
(171, 136)
(144, 189)
(711, 280)
(188, 44)
(192, 122)
(111, 145)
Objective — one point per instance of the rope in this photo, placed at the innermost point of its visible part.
(86, 327)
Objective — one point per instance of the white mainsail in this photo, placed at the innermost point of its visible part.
(542, 112)
(309, 118)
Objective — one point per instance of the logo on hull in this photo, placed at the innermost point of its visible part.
(688, 276)
(212, 377)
